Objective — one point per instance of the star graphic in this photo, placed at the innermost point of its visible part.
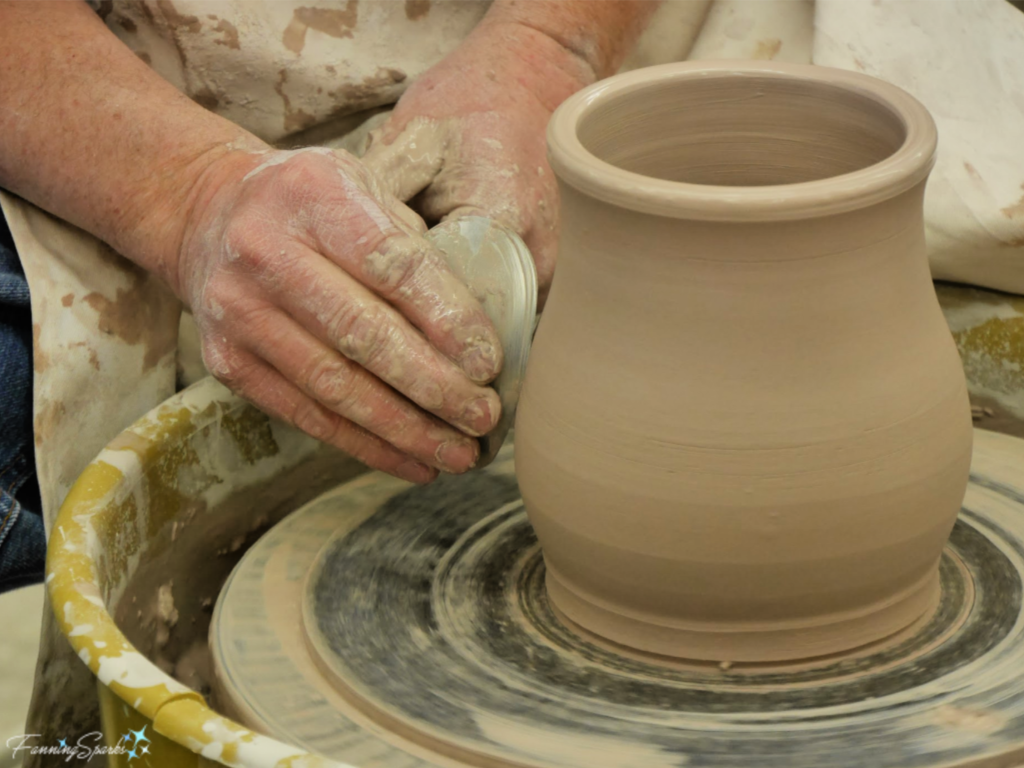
(145, 749)
(63, 743)
(131, 754)
(139, 735)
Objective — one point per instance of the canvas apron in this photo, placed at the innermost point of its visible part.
(106, 333)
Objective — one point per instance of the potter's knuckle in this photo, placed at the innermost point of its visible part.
(431, 392)
(395, 264)
(360, 334)
(338, 321)
(378, 345)
(360, 404)
(464, 324)
(382, 355)
(328, 380)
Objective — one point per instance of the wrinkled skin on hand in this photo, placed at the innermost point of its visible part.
(468, 137)
(318, 300)
(315, 293)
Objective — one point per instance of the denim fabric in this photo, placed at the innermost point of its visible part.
(22, 537)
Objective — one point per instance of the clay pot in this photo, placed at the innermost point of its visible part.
(744, 432)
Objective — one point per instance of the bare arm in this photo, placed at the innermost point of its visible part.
(316, 296)
(92, 134)
(600, 33)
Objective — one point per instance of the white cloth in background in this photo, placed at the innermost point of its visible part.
(964, 59)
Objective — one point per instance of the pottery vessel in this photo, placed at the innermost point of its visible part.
(744, 433)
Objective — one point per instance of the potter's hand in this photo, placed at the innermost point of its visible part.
(469, 135)
(318, 300)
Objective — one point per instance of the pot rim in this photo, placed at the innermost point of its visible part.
(905, 168)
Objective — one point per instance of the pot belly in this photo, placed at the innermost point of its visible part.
(745, 555)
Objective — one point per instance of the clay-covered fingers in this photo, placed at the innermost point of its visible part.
(408, 272)
(348, 318)
(267, 389)
(411, 275)
(405, 162)
(412, 221)
(348, 221)
(320, 277)
(350, 390)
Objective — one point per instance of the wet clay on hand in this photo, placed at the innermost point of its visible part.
(744, 433)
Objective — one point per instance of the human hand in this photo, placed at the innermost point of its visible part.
(318, 300)
(468, 136)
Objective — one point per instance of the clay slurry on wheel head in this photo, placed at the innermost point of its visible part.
(397, 626)
(744, 432)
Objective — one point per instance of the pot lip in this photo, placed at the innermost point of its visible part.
(899, 172)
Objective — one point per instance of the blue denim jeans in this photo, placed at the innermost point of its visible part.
(22, 537)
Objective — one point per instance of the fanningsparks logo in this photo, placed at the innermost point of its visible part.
(132, 745)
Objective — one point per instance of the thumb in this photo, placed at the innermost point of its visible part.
(407, 162)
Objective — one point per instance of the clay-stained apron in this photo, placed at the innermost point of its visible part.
(104, 340)
(106, 333)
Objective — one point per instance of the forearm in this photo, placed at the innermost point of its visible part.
(93, 135)
(600, 34)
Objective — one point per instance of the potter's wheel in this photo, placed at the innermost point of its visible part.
(383, 625)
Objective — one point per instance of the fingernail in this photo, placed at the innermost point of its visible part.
(415, 472)
(480, 361)
(457, 457)
(479, 418)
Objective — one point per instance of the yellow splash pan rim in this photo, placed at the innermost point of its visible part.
(103, 506)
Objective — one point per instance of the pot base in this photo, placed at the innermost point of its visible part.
(421, 634)
(744, 643)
